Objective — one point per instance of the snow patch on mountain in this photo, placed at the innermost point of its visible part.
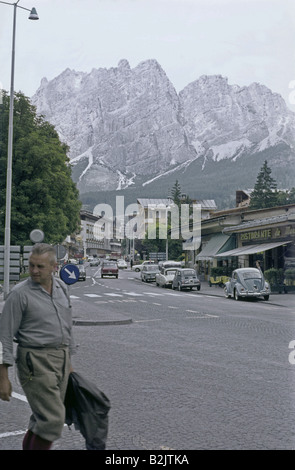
(127, 121)
(232, 149)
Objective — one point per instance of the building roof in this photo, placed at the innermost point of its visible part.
(152, 202)
(260, 222)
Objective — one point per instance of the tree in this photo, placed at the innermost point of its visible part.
(43, 193)
(176, 193)
(265, 192)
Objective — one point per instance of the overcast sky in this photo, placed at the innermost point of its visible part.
(245, 40)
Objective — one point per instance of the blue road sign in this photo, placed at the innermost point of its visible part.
(69, 273)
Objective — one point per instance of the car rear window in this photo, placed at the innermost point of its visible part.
(189, 272)
(251, 275)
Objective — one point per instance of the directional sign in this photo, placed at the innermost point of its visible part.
(69, 273)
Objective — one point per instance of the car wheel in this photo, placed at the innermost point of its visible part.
(237, 297)
(198, 287)
(101, 276)
(179, 287)
(137, 270)
(266, 297)
(226, 293)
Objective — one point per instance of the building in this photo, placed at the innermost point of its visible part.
(93, 239)
(239, 237)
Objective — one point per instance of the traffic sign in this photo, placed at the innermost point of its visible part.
(36, 236)
(69, 273)
(60, 251)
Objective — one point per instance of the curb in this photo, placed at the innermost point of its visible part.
(101, 323)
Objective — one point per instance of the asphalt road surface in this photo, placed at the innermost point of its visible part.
(190, 370)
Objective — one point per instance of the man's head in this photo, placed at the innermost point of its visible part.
(42, 263)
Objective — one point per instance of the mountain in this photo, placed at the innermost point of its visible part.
(131, 133)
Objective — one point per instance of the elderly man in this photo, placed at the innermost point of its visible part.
(37, 313)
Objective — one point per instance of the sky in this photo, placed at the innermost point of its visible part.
(244, 40)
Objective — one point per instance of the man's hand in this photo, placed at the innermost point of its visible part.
(5, 385)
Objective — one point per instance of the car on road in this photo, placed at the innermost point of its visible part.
(186, 278)
(165, 277)
(122, 264)
(82, 272)
(170, 264)
(109, 268)
(73, 261)
(94, 262)
(149, 272)
(138, 267)
(247, 283)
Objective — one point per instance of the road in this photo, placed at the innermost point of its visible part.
(193, 370)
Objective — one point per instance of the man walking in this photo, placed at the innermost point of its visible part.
(37, 314)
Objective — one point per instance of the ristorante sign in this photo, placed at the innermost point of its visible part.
(273, 233)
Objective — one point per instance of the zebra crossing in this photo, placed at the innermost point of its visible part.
(123, 296)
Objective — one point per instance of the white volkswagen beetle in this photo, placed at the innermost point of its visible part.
(247, 283)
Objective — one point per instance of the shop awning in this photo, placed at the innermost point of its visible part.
(212, 247)
(251, 249)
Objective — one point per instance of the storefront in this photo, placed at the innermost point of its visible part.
(271, 241)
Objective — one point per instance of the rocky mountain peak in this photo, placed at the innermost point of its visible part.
(126, 123)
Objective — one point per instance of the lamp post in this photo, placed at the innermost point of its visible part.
(33, 16)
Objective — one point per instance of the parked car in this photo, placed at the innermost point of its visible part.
(247, 283)
(122, 264)
(149, 272)
(186, 278)
(82, 272)
(109, 268)
(138, 267)
(165, 277)
(170, 264)
(73, 261)
(94, 262)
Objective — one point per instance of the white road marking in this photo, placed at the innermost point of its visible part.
(92, 295)
(18, 396)
(115, 295)
(12, 433)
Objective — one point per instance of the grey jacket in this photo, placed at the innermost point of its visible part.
(35, 318)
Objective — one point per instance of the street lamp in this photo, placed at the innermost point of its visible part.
(33, 16)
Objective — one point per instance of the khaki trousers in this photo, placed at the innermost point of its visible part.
(43, 374)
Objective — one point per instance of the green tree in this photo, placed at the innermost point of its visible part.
(286, 197)
(159, 244)
(176, 193)
(265, 192)
(43, 193)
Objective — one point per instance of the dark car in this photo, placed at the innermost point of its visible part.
(109, 268)
(186, 278)
(82, 272)
(149, 272)
(247, 283)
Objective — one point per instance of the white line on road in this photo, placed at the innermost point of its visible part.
(114, 295)
(142, 321)
(93, 295)
(12, 433)
(18, 396)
